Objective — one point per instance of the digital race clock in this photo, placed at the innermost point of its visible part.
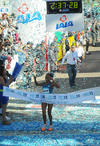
(68, 6)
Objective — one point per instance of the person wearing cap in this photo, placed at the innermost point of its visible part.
(47, 87)
(72, 58)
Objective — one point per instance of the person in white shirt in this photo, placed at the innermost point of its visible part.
(79, 49)
(4, 21)
(72, 59)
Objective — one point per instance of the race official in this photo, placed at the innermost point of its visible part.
(72, 58)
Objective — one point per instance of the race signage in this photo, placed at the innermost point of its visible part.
(66, 6)
(66, 22)
(4, 10)
(69, 98)
(64, 16)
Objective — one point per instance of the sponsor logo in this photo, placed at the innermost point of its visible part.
(23, 8)
(4, 10)
(28, 17)
(64, 23)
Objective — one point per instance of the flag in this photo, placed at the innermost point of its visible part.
(17, 70)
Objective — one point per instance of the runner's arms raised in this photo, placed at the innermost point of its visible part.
(36, 83)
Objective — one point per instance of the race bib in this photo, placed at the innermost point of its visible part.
(46, 90)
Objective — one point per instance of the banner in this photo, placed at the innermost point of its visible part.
(70, 98)
(64, 22)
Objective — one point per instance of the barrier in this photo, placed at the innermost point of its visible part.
(70, 98)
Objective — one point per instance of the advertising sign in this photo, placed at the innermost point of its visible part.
(64, 16)
(4, 10)
(69, 98)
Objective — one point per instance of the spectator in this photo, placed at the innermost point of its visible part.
(2, 63)
(97, 30)
(4, 21)
(93, 34)
(67, 45)
(52, 57)
(87, 42)
(78, 35)
(81, 38)
(79, 49)
(4, 81)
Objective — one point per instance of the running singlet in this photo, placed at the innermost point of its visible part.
(47, 89)
(3, 99)
(1, 90)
